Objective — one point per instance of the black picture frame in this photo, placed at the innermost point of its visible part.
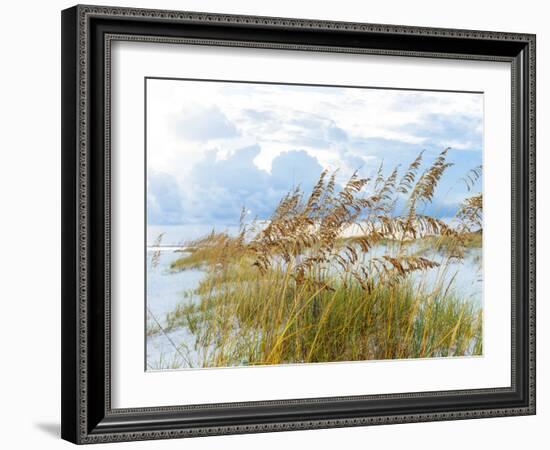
(87, 416)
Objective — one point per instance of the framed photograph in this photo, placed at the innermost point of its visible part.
(277, 224)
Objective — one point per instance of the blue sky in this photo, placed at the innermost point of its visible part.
(215, 147)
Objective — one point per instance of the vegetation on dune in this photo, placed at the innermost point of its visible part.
(297, 290)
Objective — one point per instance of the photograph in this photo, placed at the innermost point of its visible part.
(299, 223)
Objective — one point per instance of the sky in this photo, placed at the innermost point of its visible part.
(216, 147)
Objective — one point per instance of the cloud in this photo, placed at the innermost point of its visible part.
(258, 115)
(220, 188)
(312, 130)
(164, 203)
(294, 168)
(459, 131)
(222, 146)
(205, 124)
(237, 172)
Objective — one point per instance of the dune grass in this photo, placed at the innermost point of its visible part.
(296, 291)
